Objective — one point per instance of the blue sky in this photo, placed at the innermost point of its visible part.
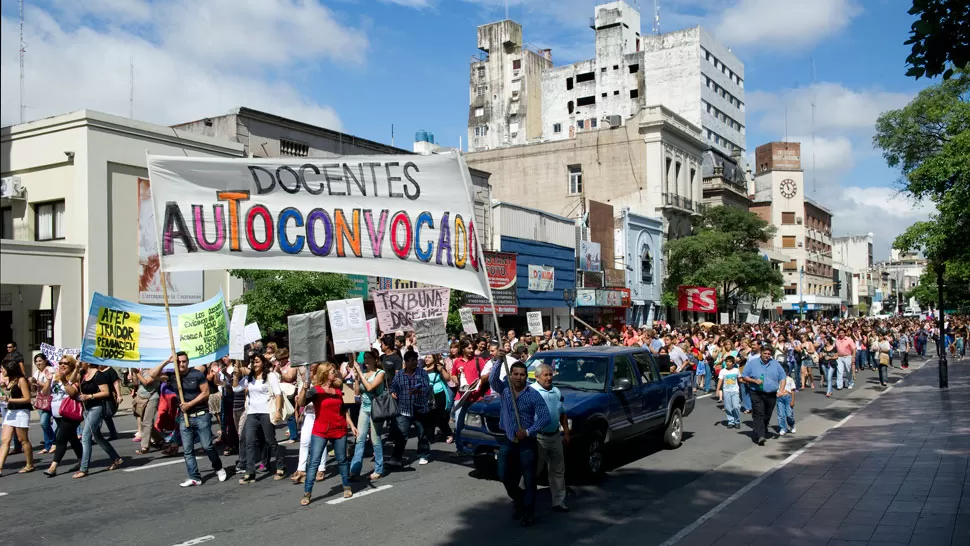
(360, 66)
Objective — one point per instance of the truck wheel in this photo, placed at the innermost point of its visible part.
(590, 456)
(674, 433)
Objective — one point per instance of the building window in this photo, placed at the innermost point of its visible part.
(556, 127)
(41, 327)
(575, 179)
(791, 266)
(603, 69)
(788, 218)
(516, 64)
(49, 222)
(788, 241)
(481, 72)
(586, 101)
(585, 77)
(481, 130)
(569, 84)
(579, 123)
(617, 92)
(791, 290)
(6, 225)
(479, 112)
(293, 148)
(569, 106)
(603, 95)
(646, 265)
(480, 91)
(616, 67)
(634, 68)
(634, 93)
(592, 123)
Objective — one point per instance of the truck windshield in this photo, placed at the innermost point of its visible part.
(583, 373)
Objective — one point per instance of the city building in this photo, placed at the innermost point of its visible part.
(517, 96)
(639, 256)
(81, 222)
(895, 279)
(651, 164)
(725, 182)
(267, 135)
(854, 253)
(505, 88)
(804, 230)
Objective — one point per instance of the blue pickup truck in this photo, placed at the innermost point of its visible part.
(611, 394)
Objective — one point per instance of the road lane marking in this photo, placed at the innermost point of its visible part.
(156, 465)
(128, 432)
(704, 396)
(358, 494)
(3, 494)
(683, 533)
(195, 541)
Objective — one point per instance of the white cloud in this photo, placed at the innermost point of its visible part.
(416, 4)
(788, 25)
(191, 59)
(833, 157)
(881, 211)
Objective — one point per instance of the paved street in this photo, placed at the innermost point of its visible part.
(651, 493)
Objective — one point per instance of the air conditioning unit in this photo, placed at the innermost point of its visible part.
(798, 220)
(613, 121)
(11, 187)
(800, 244)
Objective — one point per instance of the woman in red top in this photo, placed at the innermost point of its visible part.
(330, 426)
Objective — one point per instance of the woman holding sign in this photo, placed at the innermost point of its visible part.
(329, 427)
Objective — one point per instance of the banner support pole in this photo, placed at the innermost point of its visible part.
(171, 341)
(586, 324)
(505, 363)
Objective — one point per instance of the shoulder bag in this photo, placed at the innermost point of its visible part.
(71, 410)
(286, 410)
(384, 406)
(42, 402)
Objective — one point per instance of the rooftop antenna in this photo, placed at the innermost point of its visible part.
(23, 51)
(814, 94)
(656, 16)
(506, 10)
(786, 122)
(131, 88)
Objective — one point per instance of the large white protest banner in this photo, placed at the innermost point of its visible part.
(411, 215)
(430, 336)
(130, 335)
(237, 331)
(308, 337)
(468, 321)
(535, 322)
(398, 309)
(348, 325)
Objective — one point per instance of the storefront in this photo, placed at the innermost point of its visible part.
(603, 306)
(543, 271)
(639, 251)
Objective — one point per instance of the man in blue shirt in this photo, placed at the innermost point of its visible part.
(550, 440)
(518, 450)
(762, 377)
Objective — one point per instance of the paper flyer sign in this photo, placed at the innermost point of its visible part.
(348, 325)
(237, 332)
(308, 338)
(252, 334)
(431, 337)
(535, 322)
(468, 321)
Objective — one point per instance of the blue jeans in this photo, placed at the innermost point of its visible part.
(518, 461)
(200, 428)
(291, 425)
(403, 430)
(46, 419)
(732, 407)
(709, 382)
(745, 398)
(92, 431)
(860, 359)
(797, 370)
(366, 427)
(317, 446)
(845, 372)
(829, 372)
(786, 413)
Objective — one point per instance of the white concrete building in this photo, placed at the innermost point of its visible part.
(855, 252)
(700, 79)
(75, 228)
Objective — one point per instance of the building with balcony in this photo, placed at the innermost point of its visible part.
(725, 182)
(652, 165)
(804, 230)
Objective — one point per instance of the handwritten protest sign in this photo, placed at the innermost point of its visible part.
(468, 321)
(308, 338)
(203, 332)
(348, 325)
(535, 322)
(54, 354)
(364, 215)
(237, 331)
(398, 309)
(130, 335)
(252, 334)
(372, 330)
(430, 336)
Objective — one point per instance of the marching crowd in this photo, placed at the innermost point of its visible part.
(357, 398)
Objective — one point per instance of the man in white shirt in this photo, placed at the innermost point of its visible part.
(678, 358)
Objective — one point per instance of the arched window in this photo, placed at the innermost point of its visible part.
(646, 265)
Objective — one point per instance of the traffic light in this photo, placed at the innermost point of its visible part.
(838, 286)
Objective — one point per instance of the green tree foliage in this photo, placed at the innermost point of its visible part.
(724, 253)
(956, 287)
(274, 295)
(940, 38)
(454, 319)
(929, 141)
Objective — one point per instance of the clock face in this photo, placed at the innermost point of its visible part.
(788, 188)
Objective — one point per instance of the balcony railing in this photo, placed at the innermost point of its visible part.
(680, 202)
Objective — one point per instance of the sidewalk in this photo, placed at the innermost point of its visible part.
(897, 472)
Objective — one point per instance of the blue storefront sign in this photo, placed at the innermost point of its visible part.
(537, 253)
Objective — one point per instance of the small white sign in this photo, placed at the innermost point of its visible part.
(752, 318)
(252, 333)
(468, 321)
(237, 332)
(348, 328)
(535, 322)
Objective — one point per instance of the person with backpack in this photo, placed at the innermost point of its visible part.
(467, 370)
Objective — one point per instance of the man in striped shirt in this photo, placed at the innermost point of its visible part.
(518, 449)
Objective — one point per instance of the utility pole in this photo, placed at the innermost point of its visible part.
(801, 295)
(940, 345)
(23, 51)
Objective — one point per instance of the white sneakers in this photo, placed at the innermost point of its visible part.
(190, 483)
(221, 473)
(793, 430)
(781, 433)
(423, 461)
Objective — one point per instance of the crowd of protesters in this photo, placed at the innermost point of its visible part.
(334, 410)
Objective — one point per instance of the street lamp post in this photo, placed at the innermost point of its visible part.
(569, 295)
(801, 294)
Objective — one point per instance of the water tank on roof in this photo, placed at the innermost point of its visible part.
(421, 136)
(430, 137)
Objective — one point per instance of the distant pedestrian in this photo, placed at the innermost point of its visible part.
(729, 392)
(785, 405)
(763, 376)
